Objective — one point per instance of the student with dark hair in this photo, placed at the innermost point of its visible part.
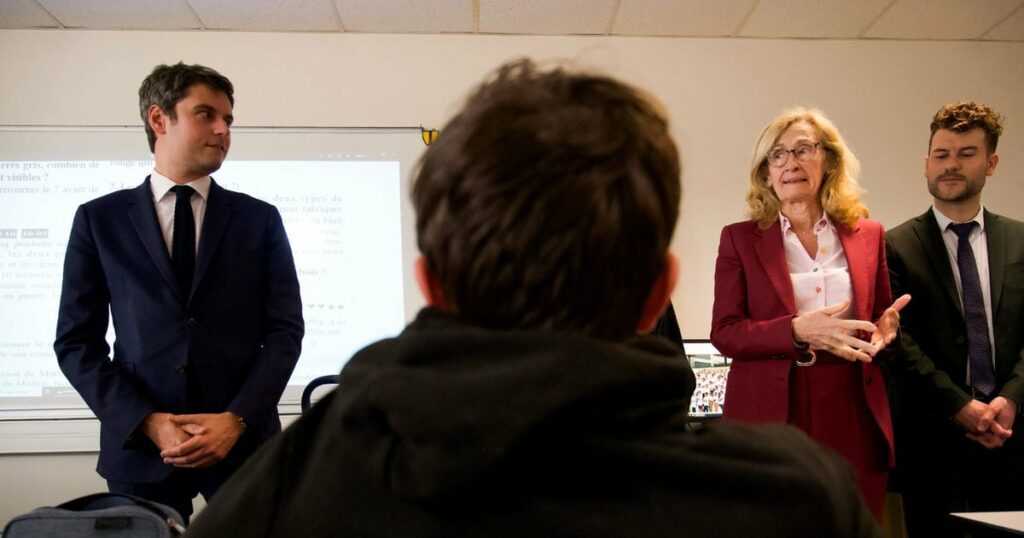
(202, 290)
(522, 401)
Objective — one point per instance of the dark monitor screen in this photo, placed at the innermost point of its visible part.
(712, 371)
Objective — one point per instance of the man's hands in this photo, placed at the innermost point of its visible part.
(164, 433)
(989, 425)
(193, 441)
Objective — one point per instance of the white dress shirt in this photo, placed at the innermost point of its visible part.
(820, 281)
(979, 244)
(163, 201)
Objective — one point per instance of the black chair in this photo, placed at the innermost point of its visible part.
(307, 393)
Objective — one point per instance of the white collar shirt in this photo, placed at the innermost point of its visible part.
(979, 244)
(820, 281)
(163, 201)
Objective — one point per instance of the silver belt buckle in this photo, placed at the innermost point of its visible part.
(814, 358)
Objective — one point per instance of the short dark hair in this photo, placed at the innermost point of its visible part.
(168, 84)
(963, 116)
(549, 202)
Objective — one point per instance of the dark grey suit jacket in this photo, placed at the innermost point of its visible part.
(934, 332)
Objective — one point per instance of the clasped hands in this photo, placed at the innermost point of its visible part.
(990, 425)
(193, 441)
(825, 330)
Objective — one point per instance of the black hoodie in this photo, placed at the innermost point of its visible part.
(455, 430)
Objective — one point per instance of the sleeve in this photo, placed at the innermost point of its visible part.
(733, 331)
(917, 368)
(1013, 389)
(283, 329)
(884, 297)
(883, 291)
(668, 327)
(81, 346)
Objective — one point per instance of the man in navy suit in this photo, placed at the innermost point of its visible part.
(204, 298)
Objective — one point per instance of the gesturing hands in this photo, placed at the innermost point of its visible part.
(826, 330)
(889, 324)
(193, 441)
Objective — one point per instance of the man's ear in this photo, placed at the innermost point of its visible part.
(157, 119)
(990, 167)
(429, 284)
(658, 298)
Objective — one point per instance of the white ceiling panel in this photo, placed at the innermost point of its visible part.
(266, 15)
(941, 19)
(406, 16)
(108, 14)
(998, 20)
(546, 17)
(681, 18)
(812, 18)
(1012, 29)
(24, 14)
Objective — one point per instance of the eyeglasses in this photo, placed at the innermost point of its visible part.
(803, 153)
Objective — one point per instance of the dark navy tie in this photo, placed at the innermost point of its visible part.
(979, 349)
(183, 243)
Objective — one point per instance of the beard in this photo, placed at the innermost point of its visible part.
(963, 189)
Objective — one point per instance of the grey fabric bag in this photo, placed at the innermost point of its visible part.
(99, 515)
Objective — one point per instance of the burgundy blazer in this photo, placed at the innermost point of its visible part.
(754, 308)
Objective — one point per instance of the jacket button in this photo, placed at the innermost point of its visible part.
(191, 322)
(179, 369)
(960, 340)
(868, 381)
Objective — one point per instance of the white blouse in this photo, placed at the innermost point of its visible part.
(821, 281)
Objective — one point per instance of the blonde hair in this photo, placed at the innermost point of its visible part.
(839, 191)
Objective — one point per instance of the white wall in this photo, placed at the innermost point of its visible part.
(718, 92)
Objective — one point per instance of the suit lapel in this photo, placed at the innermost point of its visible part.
(142, 215)
(860, 270)
(772, 255)
(995, 234)
(927, 230)
(218, 214)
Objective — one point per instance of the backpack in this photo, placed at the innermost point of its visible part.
(99, 514)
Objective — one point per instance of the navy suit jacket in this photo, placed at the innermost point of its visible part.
(231, 346)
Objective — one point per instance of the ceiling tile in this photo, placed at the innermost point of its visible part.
(941, 19)
(1012, 29)
(25, 14)
(680, 18)
(137, 14)
(840, 19)
(404, 16)
(546, 17)
(267, 15)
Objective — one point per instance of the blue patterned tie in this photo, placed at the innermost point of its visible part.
(183, 242)
(979, 350)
